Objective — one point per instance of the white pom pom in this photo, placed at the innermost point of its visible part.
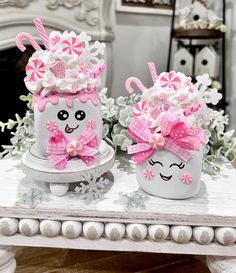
(115, 231)
(158, 232)
(71, 229)
(8, 226)
(203, 235)
(29, 227)
(50, 228)
(93, 230)
(136, 232)
(181, 234)
(225, 235)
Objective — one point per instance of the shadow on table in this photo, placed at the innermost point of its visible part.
(30, 193)
(124, 164)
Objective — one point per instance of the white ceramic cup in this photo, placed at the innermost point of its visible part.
(71, 121)
(165, 175)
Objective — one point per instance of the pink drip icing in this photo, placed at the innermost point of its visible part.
(54, 97)
(69, 102)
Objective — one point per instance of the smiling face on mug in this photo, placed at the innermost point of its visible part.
(72, 121)
(166, 175)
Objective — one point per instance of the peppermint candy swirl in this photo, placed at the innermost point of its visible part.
(71, 46)
(140, 108)
(74, 147)
(51, 125)
(156, 141)
(35, 70)
(170, 81)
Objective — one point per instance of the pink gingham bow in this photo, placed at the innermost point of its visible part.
(173, 136)
(60, 150)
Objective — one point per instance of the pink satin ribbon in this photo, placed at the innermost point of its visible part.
(174, 136)
(60, 150)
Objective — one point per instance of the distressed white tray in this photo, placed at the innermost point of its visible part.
(213, 208)
(215, 205)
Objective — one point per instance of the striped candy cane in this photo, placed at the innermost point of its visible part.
(98, 71)
(153, 71)
(135, 80)
(26, 36)
(42, 32)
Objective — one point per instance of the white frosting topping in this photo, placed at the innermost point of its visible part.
(68, 66)
(174, 91)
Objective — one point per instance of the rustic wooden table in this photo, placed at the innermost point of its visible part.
(124, 219)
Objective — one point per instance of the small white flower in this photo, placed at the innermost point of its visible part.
(203, 80)
(121, 101)
(117, 129)
(109, 109)
(212, 96)
(125, 116)
(103, 95)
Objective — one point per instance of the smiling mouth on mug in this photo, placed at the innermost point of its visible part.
(70, 130)
(165, 178)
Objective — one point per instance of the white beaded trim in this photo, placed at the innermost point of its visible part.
(117, 231)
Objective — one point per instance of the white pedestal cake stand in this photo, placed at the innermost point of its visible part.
(40, 169)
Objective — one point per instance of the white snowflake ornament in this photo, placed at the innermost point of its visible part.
(93, 187)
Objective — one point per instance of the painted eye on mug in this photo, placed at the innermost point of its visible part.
(152, 162)
(180, 166)
(80, 115)
(63, 115)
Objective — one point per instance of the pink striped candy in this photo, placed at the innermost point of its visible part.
(170, 81)
(26, 36)
(140, 108)
(74, 147)
(152, 69)
(156, 141)
(51, 125)
(72, 46)
(42, 32)
(35, 70)
(84, 70)
(135, 80)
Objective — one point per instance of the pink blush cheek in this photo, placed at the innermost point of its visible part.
(91, 123)
(186, 178)
(148, 174)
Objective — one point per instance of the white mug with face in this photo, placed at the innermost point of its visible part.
(70, 120)
(165, 175)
